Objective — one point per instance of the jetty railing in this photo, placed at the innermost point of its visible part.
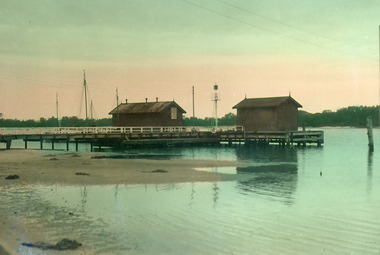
(113, 130)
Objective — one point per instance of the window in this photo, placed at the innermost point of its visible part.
(174, 113)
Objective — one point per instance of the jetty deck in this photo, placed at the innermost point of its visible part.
(158, 136)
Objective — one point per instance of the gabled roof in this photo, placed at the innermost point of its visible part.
(149, 107)
(265, 102)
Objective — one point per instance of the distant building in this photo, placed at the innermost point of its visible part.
(148, 114)
(268, 114)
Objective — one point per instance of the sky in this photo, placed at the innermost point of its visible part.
(324, 53)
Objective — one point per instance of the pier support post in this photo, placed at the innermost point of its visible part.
(52, 144)
(26, 143)
(41, 143)
(67, 144)
(370, 134)
(8, 144)
(76, 145)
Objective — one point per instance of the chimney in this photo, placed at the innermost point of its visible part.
(146, 100)
(156, 99)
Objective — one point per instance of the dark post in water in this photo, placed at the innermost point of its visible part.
(370, 134)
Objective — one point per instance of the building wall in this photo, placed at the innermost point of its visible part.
(282, 118)
(257, 119)
(287, 117)
(148, 119)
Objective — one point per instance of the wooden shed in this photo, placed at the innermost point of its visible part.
(148, 114)
(268, 114)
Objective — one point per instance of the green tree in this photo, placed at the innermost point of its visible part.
(354, 116)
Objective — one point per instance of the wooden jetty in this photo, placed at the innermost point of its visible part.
(157, 136)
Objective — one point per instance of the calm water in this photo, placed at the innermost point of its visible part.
(279, 204)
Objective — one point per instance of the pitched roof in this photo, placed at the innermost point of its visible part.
(149, 107)
(265, 102)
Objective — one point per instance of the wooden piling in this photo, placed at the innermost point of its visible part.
(370, 134)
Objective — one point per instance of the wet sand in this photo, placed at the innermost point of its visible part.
(35, 167)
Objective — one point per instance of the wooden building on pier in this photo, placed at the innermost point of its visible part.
(167, 113)
(268, 114)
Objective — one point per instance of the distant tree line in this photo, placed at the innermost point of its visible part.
(353, 116)
(53, 122)
(227, 120)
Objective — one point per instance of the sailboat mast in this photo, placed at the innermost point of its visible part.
(92, 110)
(85, 91)
(193, 104)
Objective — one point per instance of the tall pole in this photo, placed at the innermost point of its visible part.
(216, 113)
(117, 107)
(85, 91)
(117, 97)
(216, 99)
(193, 104)
(56, 101)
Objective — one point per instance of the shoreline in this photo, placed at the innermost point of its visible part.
(36, 167)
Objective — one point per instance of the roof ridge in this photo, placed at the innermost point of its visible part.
(145, 107)
(268, 97)
(264, 102)
(149, 102)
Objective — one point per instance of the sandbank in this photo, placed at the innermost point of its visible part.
(35, 166)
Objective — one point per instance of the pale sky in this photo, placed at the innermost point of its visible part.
(325, 53)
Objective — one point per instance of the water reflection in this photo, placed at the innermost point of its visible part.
(215, 189)
(84, 195)
(47, 209)
(269, 172)
(267, 154)
(192, 194)
(369, 172)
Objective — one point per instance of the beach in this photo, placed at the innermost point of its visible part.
(36, 167)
